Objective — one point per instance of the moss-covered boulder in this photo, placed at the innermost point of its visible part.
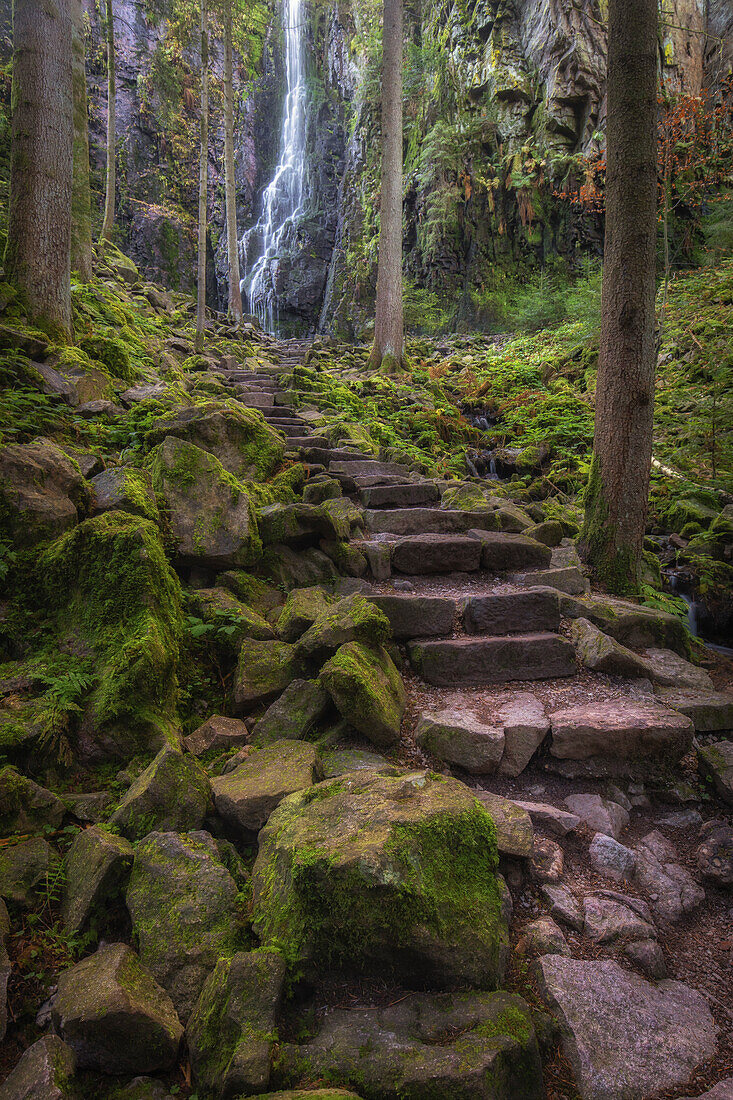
(629, 623)
(125, 489)
(212, 518)
(367, 690)
(24, 806)
(245, 798)
(465, 497)
(392, 869)
(97, 870)
(42, 493)
(294, 715)
(184, 910)
(231, 618)
(253, 591)
(114, 592)
(239, 438)
(302, 608)
(264, 670)
(716, 761)
(45, 1072)
(232, 1029)
(172, 793)
(289, 568)
(114, 1015)
(351, 619)
(25, 870)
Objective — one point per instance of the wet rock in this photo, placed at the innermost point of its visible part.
(171, 794)
(232, 1028)
(292, 717)
(564, 906)
(716, 761)
(607, 919)
(245, 797)
(648, 956)
(114, 1015)
(599, 814)
(514, 832)
(671, 889)
(24, 870)
(42, 492)
(714, 854)
(97, 870)
(45, 1072)
(459, 737)
(402, 862)
(217, 732)
(544, 816)
(611, 858)
(623, 1035)
(525, 727)
(264, 670)
(542, 937)
(547, 860)
(183, 905)
(24, 806)
(478, 1045)
(367, 690)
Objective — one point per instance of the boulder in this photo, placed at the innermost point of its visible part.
(525, 726)
(599, 814)
(542, 937)
(97, 870)
(648, 956)
(568, 578)
(217, 733)
(550, 532)
(245, 797)
(547, 861)
(466, 497)
(171, 794)
(514, 832)
(302, 525)
(716, 762)
(544, 816)
(302, 607)
(126, 489)
(221, 608)
(232, 1028)
(671, 889)
(24, 870)
(212, 519)
(608, 919)
(611, 858)
(601, 653)
(714, 854)
(45, 1072)
(183, 905)
(143, 1088)
(390, 869)
(470, 1046)
(240, 439)
(367, 690)
(564, 906)
(351, 619)
(42, 493)
(459, 737)
(264, 670)
(292, 717)
(24, 806)
(710, 711)
(628, 623)
(623, 1035)
(298, 569)
(340, 761)
(114, 1015)
(670, 670)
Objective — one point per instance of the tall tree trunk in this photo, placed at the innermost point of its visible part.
(203, 179)
(618, 486)
(38, 253)
(109, 198)
(81, 199)
(388, 349)
(235, 292)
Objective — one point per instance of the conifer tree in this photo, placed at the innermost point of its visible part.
(81, 201)
(203, 180)
(111, 187)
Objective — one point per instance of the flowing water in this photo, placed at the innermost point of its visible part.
(282, 202)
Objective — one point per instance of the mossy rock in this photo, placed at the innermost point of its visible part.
(294, 715)
(240, 438)
(45, 1072)
(220, 608)
(126, 489)
(347, 558)
(351, 619)
(25, 871)
(389, 869)
(465, 498)
(42, 493)
(264, 670)
(289, 568)
(253, 591)
(97, 870)
(24, 806)
(173, 793)
(303, 607)
(245, 798)
(367, 690)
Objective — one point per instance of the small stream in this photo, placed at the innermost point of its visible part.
(695, 613)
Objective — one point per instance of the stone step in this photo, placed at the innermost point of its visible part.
(256, 400)
(503, 553)
(475, 661)
(383, 481)
(418, 521)
(280, 413)
(418, 616)
(422, 554)
(370, 467)
(291, 428)
(306, 441)
(569, 579)
(399, 495)
(536, 610)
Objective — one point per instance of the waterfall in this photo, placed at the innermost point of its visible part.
(282, 202)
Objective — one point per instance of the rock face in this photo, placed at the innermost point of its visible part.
(470, 1046)
(623, 1035)
(114, 1015)
(45, 1072)
(390, 868)
(245, 797)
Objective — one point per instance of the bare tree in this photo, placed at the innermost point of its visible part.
(109, 198)
(388, 348)
(618, 486)
(235, 292)
(203, 179)
(81, 198)
(38, 252)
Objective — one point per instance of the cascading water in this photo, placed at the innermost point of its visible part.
(282, 202)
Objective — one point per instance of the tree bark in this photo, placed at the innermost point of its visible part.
(388, 349)
(203, 179)
(618, 486)
(235, 292)
(81, 199)
(109, 198)
(38, 253)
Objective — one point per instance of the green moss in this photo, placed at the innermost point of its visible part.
(615, 566)
(113, 353)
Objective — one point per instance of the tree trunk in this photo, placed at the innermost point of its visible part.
(388, 349)
(618, 485)
(235, 292)
(38, 253)
(81, 199)
(203, 179)
(109, 198)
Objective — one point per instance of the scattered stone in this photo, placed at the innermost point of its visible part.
(264, 670)
(714, 854)
(171, 794)
(128, 489)
(607, 919)
(293, 716)
(544, 816)
(547, 860)
(240, 439)
(114, 1015)
(599, 814)
(340, 761)
(24, 870)
(45, 1072)
(623, 1035)
(478, 1045)
(542, 937)
(240, 621)
(716, 761)
(217, 732)
(525, 726)
(648, 956)
(183, 905)
(97, 871)
(671, 889)
(601, 653)
(245, 797)
(514, 832)
(231, 1030)
(367, 690)
(710, 711)
(24, 806)
(564, 906)
(351, 619)
(403, 862)
(681, 819)
(611, 858)
(93, 806)
(461, 738)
